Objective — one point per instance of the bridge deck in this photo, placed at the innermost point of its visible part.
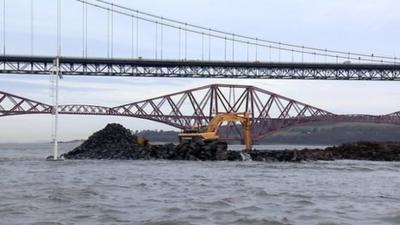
(15, 64)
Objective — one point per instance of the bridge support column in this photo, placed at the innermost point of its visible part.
(55, 90)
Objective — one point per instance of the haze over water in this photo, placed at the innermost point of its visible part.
(33, 191)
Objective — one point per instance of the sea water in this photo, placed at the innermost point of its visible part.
(35, 191)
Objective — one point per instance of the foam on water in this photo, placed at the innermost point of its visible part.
(245, 156)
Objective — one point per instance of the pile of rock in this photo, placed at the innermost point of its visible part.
(291, 155)
(112, 142)
(206, 151)
(366, 151)
(117, 142)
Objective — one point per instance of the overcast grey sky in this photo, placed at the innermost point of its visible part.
(351, 25)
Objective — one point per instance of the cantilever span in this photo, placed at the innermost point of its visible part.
(395, 114)
(269, 111)
(18, 64)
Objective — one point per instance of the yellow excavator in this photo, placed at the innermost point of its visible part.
(209, 132)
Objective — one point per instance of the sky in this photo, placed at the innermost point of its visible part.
(366, 26)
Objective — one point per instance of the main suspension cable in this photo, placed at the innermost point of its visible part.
(253, 39)
(239, 38)
(4, 27)
(32, 28)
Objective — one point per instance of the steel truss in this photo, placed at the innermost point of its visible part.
(15, 105)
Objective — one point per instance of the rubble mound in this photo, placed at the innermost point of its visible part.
(209, 150)
(291, 155)
(112, 142)
(117, 142)
(371, 151)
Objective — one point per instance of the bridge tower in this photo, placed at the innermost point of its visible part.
(55, 85)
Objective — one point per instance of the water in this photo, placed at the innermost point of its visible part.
(34, 191)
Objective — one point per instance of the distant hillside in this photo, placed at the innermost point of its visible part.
(336, 134)
(319, 133)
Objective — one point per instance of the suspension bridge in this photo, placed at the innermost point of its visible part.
(164, 47)
(157, 46)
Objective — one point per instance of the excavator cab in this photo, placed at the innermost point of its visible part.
(141, 141)
(196, 129)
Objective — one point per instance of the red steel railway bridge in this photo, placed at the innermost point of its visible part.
(269, 111)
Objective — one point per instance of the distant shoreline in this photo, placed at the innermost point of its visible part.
(319, 134)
